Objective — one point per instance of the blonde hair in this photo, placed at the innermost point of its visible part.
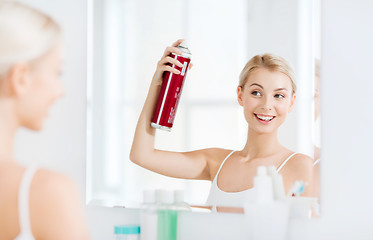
(25, 34)
(270, 62)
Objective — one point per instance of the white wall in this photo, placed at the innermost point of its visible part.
(347, 96)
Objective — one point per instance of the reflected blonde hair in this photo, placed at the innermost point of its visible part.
(25, 34)
(270, 62)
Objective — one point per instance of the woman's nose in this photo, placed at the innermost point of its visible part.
(267, 103)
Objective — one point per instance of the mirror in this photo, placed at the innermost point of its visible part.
(126, 40)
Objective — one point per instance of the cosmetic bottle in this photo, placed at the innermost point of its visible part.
(149, 216)
(179, 203)
(263, 186)
(167, 217)
(127, 232)
(277, 183)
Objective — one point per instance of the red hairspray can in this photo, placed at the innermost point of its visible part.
(169, 96)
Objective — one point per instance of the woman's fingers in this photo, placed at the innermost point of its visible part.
(190, 66)
(165, 64)
(170, 60)
(170, 50)
(177, 43)
(170, 69)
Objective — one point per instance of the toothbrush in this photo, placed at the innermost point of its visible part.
(297, 189)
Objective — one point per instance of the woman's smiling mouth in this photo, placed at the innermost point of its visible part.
(264, 118)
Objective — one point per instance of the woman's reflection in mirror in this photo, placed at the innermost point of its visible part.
(267, 93)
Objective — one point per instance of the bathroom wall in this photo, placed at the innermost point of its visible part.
(347, 96)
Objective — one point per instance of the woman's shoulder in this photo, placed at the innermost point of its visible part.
(48, 174)
(301, 158)
(298, 155)
(52, 184)
(299, 162)
(54, 202)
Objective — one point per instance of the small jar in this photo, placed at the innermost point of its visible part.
(127, 232)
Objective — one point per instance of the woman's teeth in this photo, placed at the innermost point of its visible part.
(265, 118)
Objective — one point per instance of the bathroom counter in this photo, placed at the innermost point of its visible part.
(191, 225)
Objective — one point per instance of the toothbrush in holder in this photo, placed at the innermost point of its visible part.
(297, 189)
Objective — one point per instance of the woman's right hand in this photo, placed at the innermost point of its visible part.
(166, 62)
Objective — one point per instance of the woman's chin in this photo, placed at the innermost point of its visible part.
(35, 126)
(263, 130)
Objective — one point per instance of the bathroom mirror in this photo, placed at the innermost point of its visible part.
(126, 38)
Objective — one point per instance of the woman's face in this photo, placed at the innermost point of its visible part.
(43, 89)
(267, 98)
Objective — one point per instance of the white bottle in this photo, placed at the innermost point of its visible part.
(149, 216)
(263, 186)
(179, 203)
(277, 182)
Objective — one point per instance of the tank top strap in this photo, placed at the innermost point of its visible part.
(316, 162)
(23, 200)
(286, 160)
(221, 165)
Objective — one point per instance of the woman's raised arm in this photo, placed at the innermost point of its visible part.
(188, 165)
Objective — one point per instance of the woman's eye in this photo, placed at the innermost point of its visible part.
(256, 93)
(279, 96)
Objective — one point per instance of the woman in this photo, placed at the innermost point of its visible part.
(35, 203)
(267, 94)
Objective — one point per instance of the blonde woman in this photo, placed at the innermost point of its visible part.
(267, 93)
(35, 203)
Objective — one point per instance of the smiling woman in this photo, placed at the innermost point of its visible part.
(267, 94)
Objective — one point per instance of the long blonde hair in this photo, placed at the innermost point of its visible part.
(270, 62)
(25, 34)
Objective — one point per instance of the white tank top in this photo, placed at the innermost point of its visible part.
(23, 204)
(218, 197)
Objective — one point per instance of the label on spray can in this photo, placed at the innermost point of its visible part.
(169, 96)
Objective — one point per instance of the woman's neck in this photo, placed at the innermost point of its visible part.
(8, 128)
(261, 145)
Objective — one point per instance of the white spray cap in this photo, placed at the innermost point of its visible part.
(184, 44)
(148, 196)
(179, 195)
(167, 197)
(262, 171)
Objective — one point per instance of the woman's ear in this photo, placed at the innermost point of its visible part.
(292, 102)
(239, 95)
(18, 79)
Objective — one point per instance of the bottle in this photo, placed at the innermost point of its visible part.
(167, 217)
(263, 186)
(179, 203)
(172, 86)
(149, 216)
(127, 232)
(277, 182)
